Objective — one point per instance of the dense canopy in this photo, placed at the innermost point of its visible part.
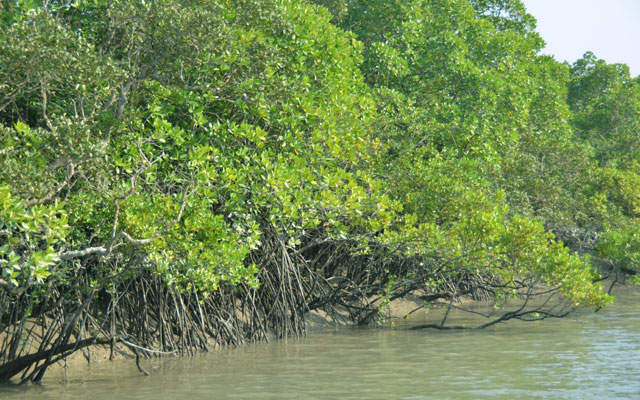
(177, 174)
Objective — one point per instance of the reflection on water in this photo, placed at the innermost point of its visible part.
(585, 356)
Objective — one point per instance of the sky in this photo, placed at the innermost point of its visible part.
(608, 28)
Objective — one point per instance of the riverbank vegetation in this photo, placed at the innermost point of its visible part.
(181, 175)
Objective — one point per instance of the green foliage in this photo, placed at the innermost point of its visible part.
(622, 190)
(474, 131)
(446, 80)
(207, 122)
(182, 136)
(621, 248)
(29, 239)
(605, 102)
(47, 70)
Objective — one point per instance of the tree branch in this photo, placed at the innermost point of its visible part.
(14, 290)
(84, 252)
(54, 192)
(105, 251)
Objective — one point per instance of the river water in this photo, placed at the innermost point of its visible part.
(585, 356)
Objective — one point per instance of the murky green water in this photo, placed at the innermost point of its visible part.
(585, 356)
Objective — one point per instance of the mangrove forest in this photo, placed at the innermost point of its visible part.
(176, 176)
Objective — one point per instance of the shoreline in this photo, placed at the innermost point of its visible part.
(315, 322)
(409, 308)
